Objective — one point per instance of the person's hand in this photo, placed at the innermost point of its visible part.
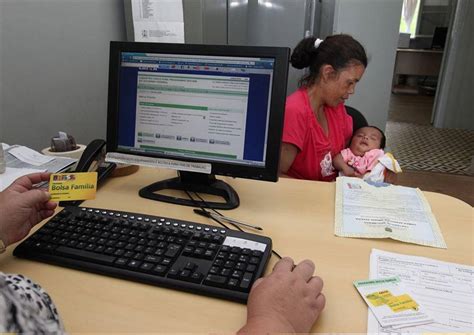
(287, 300)
(22, 207)
(349, 171)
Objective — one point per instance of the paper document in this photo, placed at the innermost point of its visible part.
(17, 167)
(12, 174)
(392, 303)
(446, 290)
(397, 212)
(158, 21)
(56, 164)
(30, 156)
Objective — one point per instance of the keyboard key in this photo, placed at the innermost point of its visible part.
(121, 261)
(133, 264)
(81, 254)
(215, 280)
(146, 266)
(246, 281)
(152, 259)
(173, 250)
(196, 277)
(160, 270)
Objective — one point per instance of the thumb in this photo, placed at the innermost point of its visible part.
(257, 282)
(34, 197)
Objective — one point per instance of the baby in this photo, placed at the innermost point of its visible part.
(365, 157)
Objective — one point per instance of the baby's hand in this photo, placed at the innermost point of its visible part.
(350, 172)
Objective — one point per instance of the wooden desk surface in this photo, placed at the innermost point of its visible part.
(297, 215)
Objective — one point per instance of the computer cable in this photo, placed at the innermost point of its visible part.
(217, 212)
(204, 210)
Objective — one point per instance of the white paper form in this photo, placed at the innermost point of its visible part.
(12, 174)
(30, 156)
(445, 289)
(158, 21)
(397, 212)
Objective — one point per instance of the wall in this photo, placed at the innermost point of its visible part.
(54, 68)
(453, 106)
(374, 23)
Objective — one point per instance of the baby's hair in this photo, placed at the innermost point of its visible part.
(383, 139)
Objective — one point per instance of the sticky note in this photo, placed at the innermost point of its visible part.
(73, 186)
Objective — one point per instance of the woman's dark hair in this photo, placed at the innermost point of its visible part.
(339, 51)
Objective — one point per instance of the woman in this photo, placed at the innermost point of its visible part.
(317, 126)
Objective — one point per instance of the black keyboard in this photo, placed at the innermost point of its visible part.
(161, 251)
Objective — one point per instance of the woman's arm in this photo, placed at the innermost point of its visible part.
(287, 156)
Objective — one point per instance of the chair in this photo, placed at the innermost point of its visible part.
(358, 120)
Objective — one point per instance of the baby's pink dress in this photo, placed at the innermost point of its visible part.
(362, 164)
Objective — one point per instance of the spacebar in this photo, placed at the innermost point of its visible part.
(86, 255)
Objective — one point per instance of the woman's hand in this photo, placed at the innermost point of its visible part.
(22, 207)
(289, 300)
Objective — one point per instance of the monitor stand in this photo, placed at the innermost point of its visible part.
(193, 182)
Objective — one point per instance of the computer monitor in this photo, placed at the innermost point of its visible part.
(439, 38)
(219, 107)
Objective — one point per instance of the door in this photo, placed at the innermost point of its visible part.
(251, 22)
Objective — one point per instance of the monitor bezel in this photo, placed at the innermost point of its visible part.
(269, 172)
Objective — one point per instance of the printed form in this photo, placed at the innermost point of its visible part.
(158, 20)
(446, 290)
(397, 212)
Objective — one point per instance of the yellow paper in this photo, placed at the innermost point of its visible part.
(379, 298)
(402, 303)
(73, 186)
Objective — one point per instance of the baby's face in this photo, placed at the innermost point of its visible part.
(365, 139)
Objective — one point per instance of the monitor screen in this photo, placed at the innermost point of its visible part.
(218, 105)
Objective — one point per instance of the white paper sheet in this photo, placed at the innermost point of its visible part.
(158, 21)
(30, 156)
(445, 289)
(397, 212)
(11, 174)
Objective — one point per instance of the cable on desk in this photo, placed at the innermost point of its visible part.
(217, 212)
(203, 209)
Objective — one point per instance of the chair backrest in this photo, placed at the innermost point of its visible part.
(358, 120)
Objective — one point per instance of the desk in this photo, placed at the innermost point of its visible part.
(297, 215)
(417, 62)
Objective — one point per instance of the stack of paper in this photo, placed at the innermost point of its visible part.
(21, 161)
(389, 211)
(445, 290)
(392, 303)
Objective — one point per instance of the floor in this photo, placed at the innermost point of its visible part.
(408, 126)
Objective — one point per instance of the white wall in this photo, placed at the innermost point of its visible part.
(374, 23)
(54, 68)
(453, 103)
